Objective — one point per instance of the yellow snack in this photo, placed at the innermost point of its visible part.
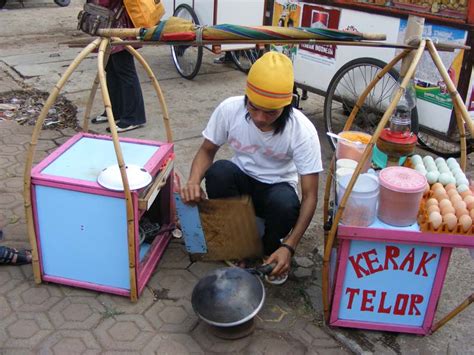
(356, 136)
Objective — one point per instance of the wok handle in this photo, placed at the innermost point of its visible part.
(265, 269)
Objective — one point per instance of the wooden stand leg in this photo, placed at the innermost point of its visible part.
(90, 100)
(459, 106)
(156, 86)
(453, 313)
(31, 153)
(103, 48)
(365, 155)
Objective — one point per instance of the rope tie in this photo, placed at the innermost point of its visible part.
(199, 31)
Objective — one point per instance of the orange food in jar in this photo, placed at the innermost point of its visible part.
(354, 136)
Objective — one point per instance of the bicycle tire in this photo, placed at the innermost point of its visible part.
(442, 147)
(244, 58)
(187, 59)
(361, 72)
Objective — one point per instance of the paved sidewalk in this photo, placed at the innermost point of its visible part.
(54, 319)
(49, 318)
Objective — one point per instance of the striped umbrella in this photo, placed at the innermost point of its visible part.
(177, 29)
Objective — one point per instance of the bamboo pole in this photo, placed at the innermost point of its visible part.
(31, 153)
(90, 100)
(118, 151)
(135, 32)
(327, 190)
(440, 46)
(347, 126)
(365, 155)
(445, 47)
(462, 137)
(461, 307)
(371, 85)
(156, 86)
(456, 98)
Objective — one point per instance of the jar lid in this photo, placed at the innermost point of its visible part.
(346, 163)
(402, 179)
(365, 183)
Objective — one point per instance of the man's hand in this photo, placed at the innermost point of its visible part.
(192, 193)
(282, 258)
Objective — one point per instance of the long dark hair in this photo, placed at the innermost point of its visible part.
(280, 122)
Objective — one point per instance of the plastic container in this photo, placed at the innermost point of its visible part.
(346, 163)
(354, 151)
(361, 207)
(401, 191)
(343, 172)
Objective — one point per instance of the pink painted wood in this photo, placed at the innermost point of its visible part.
(437, 288)
(86, 285)
(378, 326)
(54, 155)
(341, 272)
(432, 303)
(156, 251)
(36, 226)
(405, 237)
(152, 165)
(166, 200)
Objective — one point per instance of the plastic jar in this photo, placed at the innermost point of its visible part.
(343, 172)
(354, 150)
(401, 191)
(346, 163)
(361, 207)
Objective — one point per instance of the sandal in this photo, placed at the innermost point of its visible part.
(277, 279)
(99, 119)
(12, 256)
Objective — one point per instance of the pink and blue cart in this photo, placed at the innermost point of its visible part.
(390, 278)
(81, 227)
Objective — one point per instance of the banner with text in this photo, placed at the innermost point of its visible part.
(388, 282)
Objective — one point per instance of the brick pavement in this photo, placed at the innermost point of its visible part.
(55, 319)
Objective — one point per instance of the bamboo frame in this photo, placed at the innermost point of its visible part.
(103, 48)
(104, 45)
(453, 313)
(462, 118)
(365, 155)
(154, 81)
(459, 107)
(447, 47)
(104, 51)
(135, 32)
(31, 153)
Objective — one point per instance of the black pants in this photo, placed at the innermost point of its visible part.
(277, 204)
(124, 89)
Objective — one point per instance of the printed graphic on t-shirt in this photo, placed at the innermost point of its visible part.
(254, 148)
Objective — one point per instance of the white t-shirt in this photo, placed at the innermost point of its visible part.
(265, 156)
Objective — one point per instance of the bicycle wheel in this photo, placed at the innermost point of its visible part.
(244, 58)
(344, 90)
(187, 59)
(443, 146)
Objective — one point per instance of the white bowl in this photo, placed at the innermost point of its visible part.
(111, 179)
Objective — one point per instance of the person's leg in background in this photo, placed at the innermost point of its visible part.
(113, 86)
(132, 109)
(279, 206)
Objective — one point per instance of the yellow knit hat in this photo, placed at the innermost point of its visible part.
(270, 81)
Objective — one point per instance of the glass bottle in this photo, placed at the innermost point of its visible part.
(400, 122)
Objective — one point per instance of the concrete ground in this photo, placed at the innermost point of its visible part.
(49, 318)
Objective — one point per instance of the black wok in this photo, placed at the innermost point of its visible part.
(228, 297)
